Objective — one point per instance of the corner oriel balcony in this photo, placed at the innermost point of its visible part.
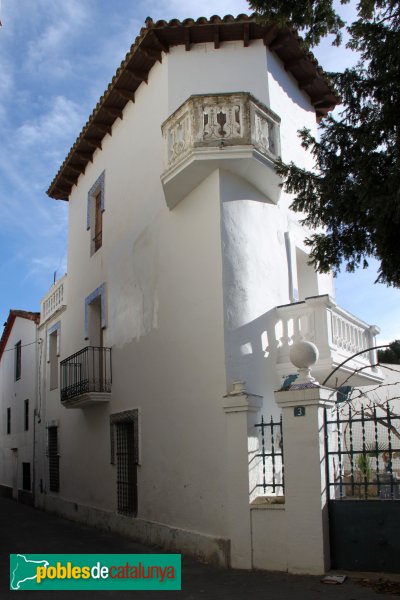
(337, 334)
(86, 378)
(234, 131)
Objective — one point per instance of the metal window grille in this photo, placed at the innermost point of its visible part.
(54, 459)
(126, 468)
(26, 476)
(363, 453)
(271, 455)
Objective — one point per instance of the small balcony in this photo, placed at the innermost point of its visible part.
(233, 131)
(336, 333)
(55, 300)
(86, 378)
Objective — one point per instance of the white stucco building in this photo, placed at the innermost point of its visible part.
(187, 272)
(18, 399)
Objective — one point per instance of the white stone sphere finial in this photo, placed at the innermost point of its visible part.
(304, 355)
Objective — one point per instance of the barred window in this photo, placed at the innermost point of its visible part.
(124, 453)
(54, 459)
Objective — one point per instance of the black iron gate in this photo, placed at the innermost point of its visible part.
(363, 486)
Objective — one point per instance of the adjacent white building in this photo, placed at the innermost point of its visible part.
(18, 399)
(187, 272)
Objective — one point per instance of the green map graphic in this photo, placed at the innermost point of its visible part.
(23, 569)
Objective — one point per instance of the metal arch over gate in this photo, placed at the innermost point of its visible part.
(363, 485)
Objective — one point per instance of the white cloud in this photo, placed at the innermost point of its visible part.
(56, 30)
(6, 79)
(62, 117)
(64, 19)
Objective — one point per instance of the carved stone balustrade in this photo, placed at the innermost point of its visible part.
(231, 131)
(337, 334)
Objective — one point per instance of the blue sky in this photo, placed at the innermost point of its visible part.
(56, 59)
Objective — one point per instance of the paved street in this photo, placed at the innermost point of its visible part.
(28, 531)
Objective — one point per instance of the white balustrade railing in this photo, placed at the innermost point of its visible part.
(348, 335)
(337, 333)
(54, 300)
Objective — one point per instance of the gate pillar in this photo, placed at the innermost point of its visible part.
(306, 502)
(241, 411)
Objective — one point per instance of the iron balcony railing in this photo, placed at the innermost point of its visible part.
(86, 371)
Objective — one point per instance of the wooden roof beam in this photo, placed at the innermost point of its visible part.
(217, 39)
(293, 62)
(164, 47)
(59, 194)
(93, 142)
(137, 74)
(186, 37)
(303, 83)
(125, 93)
(246, 34)
(78, 169)
(63, 191)
(70, 182)
(151, 53)
(103, 127)
(84, 155)
(114, 111)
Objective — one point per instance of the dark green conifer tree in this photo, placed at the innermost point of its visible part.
(354, 193)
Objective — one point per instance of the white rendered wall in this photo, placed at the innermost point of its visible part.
(206, 70)
(255, 266)
(13, 395)
(163, 279)
(294, 107)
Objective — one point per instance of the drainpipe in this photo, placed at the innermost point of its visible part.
(39, 409)
(37, 351)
